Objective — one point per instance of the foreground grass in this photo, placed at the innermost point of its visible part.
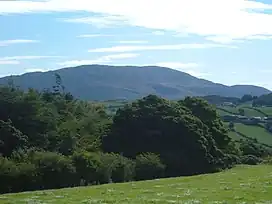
(243, 184)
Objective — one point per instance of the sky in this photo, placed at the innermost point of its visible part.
(225, 41)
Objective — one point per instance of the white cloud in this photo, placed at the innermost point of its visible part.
(27, 57)
(13, 60)
(177, 65)
(101, 21)
(133, 42)
(94, 35)
(190, 68)
(232, 19)
(35, 70)
(158, 33)
(9, 62)
(100, 60)
(16, 41)
(159, 47)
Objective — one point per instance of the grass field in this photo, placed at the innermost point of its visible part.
(261, 134)
(243, 184)
(249, 111)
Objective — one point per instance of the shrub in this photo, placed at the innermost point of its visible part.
(123, 169)
(16, 177)
(250, 160)
(149, 166)
(87, 166)
(54, 170)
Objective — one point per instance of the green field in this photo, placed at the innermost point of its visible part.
(251, 131)
(249, 111)
(242, 184)
(261, 134)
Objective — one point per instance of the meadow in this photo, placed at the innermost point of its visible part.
(242, 184)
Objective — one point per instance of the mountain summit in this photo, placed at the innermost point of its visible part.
(103, 82)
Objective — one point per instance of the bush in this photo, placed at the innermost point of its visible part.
(87, 167)
(231, 160)
(54, 170)
(16, 177)
(250, 160)
(268, 160)
(121, 169)
(149, 166)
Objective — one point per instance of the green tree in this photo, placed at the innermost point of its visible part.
(231, 126)
(246, 98)
(208, 115)
(149, 166)
(241, 111)
(168, 129)
(11, 139)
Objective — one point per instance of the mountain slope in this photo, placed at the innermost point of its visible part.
(101, 82)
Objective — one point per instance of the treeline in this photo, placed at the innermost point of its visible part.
(264, 100)
(217, 100)
(50, 140)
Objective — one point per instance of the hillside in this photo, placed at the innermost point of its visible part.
(100, 82)
(242, 184)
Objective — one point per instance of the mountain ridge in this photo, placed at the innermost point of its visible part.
(105, 82)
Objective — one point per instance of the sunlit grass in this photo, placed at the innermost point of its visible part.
(243, 184)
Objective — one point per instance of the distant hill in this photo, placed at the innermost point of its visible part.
(101, 82)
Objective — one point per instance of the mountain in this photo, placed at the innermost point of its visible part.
(102, 82)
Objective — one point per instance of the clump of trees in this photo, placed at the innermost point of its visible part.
(50, 140)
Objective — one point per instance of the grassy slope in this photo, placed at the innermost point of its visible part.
(260, 133)
(242, 184)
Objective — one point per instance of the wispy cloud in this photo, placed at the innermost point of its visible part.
(16, 41)
(100, 21)
(190, 68)
(159, 47)
(133, 42)
(177, 65)
(12, 60)
(9, 62)
(94, 35)
(28, 57)
(100, 60)
(35, 70)
(210, 18)
(158, 33)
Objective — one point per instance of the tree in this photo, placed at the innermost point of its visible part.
(231, 126)
(241, 111)
(208, 115)
(246, 98)
(11, 139)
(165, 128)
(149, 166)
(58, 88)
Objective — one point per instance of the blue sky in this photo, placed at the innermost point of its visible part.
(226, 41)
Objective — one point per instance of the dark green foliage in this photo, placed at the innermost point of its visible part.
(11, 139)
(250, 160)
(241, 111)
(218, 100)
(16, 177)
(50, 140)
(248, 147)
(246, 98)
(231, 126)
(116, 168)
(87, 165)
(208, 115)
(149, 166)
(264, 100)
(168, 129)
(54, 170)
